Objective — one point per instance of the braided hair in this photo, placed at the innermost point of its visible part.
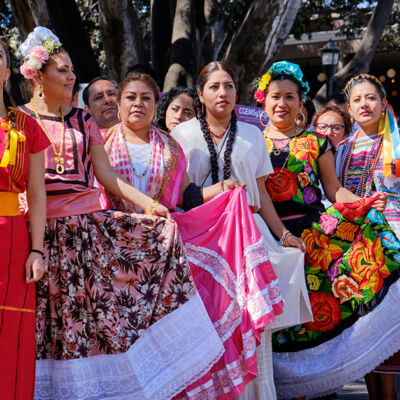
(364, 78)
(201, 116)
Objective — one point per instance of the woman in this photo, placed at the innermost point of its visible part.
(175, 106)
(334, 123)
(306, 114)
(217, 147)
(21, 168)
(365, 164)
(117, 313)
(344, 277)
(236, 271)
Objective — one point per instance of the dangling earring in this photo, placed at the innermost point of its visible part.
(4, 84)
(118, 116)
(303, 120)
(203, 111)
(261, 119)
(40, 92)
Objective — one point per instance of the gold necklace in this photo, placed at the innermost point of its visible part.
(58, 158)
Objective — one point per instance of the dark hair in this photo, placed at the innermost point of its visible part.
(85, 93)
(142, 69)
(145, 78)
(310, 109)
(8, 101)
(284, 77)
(202, 79)
(338, 98)
(166, 100)
(344, 115)
(364, 78)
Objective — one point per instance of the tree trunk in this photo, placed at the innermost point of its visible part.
(361, 61)
(212, 32)
(182, 68)
(259, 38)
(122, 38)
(23, 17)
(162, 16)
(63, 18)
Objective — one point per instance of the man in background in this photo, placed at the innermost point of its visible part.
(100, 98)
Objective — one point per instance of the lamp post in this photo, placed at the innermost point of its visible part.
(330, 59)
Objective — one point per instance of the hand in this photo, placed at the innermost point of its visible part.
(294, 241)
(34, 268)
(380, 201)
(163, 211)
(230, 184)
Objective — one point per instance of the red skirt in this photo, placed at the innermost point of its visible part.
(17, 313)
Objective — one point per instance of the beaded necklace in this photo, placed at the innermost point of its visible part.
(130, 159)
(364, 186)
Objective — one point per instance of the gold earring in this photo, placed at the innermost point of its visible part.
(261, 122)
(303, 119)
(4, 84)
(40, 92)
(119, 116)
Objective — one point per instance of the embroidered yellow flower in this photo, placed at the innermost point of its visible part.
(313, 282)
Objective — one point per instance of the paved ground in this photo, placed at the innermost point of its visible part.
(354, 391)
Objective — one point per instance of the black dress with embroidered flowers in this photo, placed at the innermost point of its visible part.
(352, 267)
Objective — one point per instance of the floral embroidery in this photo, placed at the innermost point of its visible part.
(328, 223)
(281, 185)
(352, 257)
(346, 231)
(326, 312)
(367, 263)
(320, 251)
(313, 282)
(345, 288)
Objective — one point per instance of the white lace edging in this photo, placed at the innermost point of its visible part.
(347, 357)
(171, 354)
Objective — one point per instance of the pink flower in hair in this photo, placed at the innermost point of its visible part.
(40, 53)
(259, 96)
(27, 71)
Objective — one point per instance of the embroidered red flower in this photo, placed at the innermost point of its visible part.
(326, 312)
(304, 179)
(358, 209)
(345, 288)
(281, 185)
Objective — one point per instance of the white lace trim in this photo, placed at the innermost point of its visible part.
(171, 354)
(347, 357)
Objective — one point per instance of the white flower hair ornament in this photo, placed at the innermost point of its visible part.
(36, 50)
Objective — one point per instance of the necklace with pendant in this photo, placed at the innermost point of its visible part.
(58, 155)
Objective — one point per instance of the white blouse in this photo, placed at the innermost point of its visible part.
(140, 156)
(249, 158)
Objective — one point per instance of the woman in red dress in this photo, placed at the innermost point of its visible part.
(21, 168)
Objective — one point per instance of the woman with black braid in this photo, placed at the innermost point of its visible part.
(217, 146)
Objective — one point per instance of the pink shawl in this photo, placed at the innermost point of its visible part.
(163, 187)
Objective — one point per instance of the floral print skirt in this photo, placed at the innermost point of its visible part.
(352, 270)
(110, 277)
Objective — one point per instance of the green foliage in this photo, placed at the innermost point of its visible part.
(391, 36)
(346, 16)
